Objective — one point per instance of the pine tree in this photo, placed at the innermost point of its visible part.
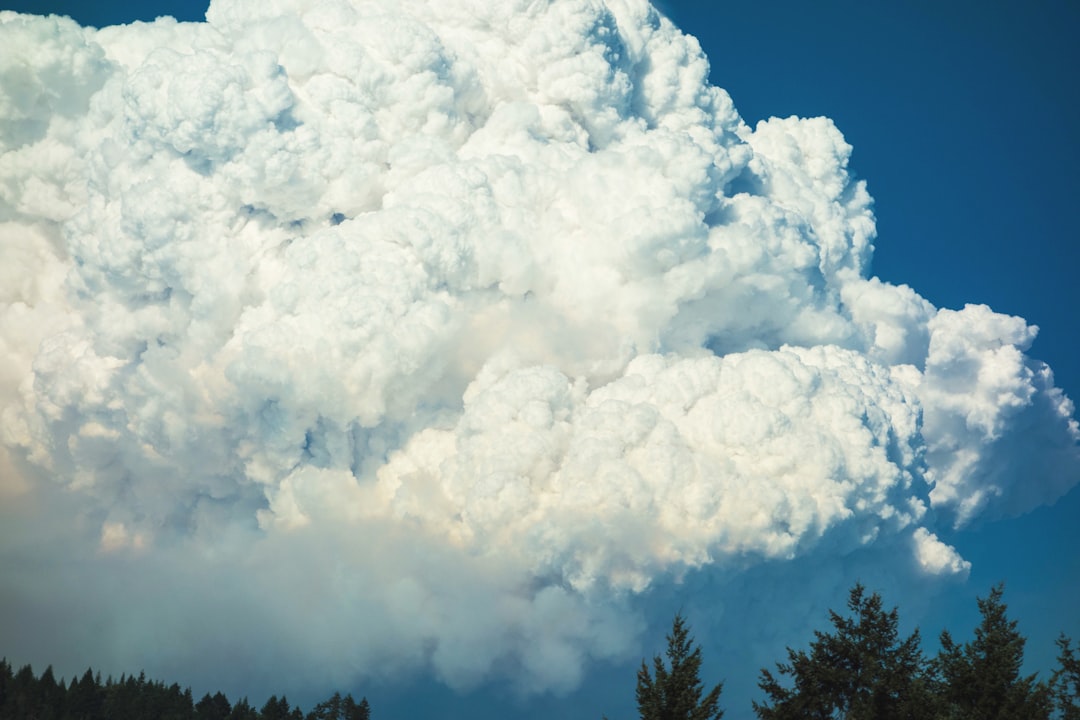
(981, 679)
(675, 692)
(1067, 681)
(87, 697)
(352, 710)
(328, 709)
(7, 677)
(50, 695)
(22, 701)
(275, 709)
(242, 710)
(214, 707)
(862, 671)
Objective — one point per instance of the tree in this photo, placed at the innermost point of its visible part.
(981, 679)
(6, 680)
(50, 694)
(213, 707)
(279, 709)
(675, 693)
(22, 694)
(242, 710)
(87, 697)
(274, 709)
(341, 708)
(328, 709)
(862, 671)
(1066, 681)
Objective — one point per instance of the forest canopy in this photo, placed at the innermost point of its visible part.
(860, 668)
(863, 669)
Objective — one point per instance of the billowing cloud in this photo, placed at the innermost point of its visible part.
(431, 335)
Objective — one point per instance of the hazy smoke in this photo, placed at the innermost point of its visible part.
(394, 336)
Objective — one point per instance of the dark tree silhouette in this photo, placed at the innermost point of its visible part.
(860, 671)
(1067, 681)
(24, 696)
(243, 710)
(215, 707)
(980, 680)
(279, 709)
(674, 691)
(86, 698)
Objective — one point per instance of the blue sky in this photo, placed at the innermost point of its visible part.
(964, 119)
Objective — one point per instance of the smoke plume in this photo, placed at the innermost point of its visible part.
(353, 339)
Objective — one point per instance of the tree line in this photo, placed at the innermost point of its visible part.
(26, 696)
(862, 669)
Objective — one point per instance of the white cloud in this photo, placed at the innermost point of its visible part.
(936, 557)
(458, 326)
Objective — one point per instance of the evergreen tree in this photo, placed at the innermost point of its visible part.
(675, 692)
(22, 702)
(331, 709)
(24, 696)
(173, 702)
(276, 709)
(341, 708)
(242, 710)
(7, 677)
(50, 695)
(981, 679)
(1067, 681)
(213, 708)
(349, 708)
(861, 671)
(7, 689)
(86, 698)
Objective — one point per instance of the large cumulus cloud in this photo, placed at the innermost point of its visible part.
(458, 325)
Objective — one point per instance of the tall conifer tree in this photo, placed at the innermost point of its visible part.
(675, 692)
(1067, 681)
(980, 680)
(861, 671)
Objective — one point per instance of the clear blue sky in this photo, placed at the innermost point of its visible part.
(965, 121)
